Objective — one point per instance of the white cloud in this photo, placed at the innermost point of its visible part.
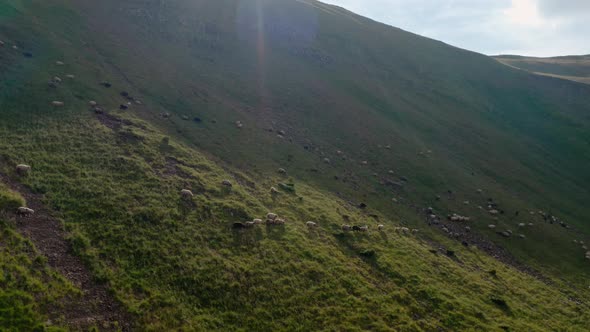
(524, 12)
(527, 27)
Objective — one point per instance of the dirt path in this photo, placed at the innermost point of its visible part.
(96, 306)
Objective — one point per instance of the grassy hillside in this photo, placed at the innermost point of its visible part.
(574, 68)
(314, 80)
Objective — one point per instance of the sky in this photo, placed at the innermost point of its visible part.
(523, 27)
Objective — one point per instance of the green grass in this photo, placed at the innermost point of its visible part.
(180, 266)
(27, 286)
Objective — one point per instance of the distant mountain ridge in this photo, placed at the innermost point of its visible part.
(571, 67)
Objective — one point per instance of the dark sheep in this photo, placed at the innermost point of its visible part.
(362, 205)
(27, 54)
(197, 120)
(106, 84)
(123, 107)
(125, 94)
(356, 228)
(238, 225)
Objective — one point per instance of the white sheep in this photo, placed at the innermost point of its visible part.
(311, 224)
(364, 228)
(227, 183)
(491, 226)
(271, 216)
(346, 228)
(23, 169)
(257, 221)
(185, 193)
(25, 211)
(57, 103)
(380, 227)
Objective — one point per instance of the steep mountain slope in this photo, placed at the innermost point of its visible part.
(574, 68)
(305, 80)
(333, 81)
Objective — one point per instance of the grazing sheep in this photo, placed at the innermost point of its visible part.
(466, 202)
(24, 211)
(106, 84)
(57, 103)
(364, 162)
(279, 221)
(364, 228)
(521, 224)
(531, 224)
(584, 247)
(123, 107)
(185, 193)
(311, 224)
(271, 216)
(23, 169)
(356, 228)
(479, 191)
(494, 212)
(238, 225)
(415, 231)
(227, 183)
(346, 228)
(444, 229)
(522, 236)
(59, 63)
(57, 79)
(70, 76)
(257, 221)
(249, 224)
(273, 191)
(405, 230)
(491, 226)
(282, 171)
(92, 103)
(327, 160)
(239, 124)
(1, 43)
(456, 217)
(380, 227)
(468, 229)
